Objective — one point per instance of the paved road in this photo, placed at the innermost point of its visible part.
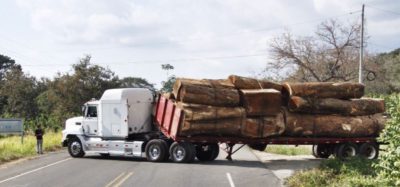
(59, 169)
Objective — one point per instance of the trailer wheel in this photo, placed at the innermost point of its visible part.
(321, 151)
(346, 150)
(156, 150)
(258, 147)
(369, 150)
(75, 148)
(207, 152)
(182, 152)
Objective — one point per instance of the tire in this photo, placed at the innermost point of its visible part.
(182, 152)
(207, 152)
(75, 148)
(105, 155)
(156, 150)
(369, 150)
(346, 151)
(258, 147)
(321, 151)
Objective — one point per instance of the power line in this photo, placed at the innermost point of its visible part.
(384, 10)
(166, 60)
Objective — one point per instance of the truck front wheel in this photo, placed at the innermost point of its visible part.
(75, 148)
(182, 152)
(156, 150)
(207, 152)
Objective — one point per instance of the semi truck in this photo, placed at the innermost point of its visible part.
(134, 122)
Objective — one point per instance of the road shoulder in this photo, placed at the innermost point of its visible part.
(284, 166)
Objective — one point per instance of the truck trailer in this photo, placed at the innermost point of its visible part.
(133, 122)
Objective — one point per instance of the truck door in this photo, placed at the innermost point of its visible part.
(90, 121)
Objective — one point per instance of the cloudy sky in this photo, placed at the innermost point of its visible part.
(201, 39)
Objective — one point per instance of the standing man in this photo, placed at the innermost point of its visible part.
(39, 137)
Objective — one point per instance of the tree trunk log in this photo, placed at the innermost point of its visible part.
(333, 126)
(263, 127)
(353, 107)
(182, 82)
(263, 102)
(209, 96)
(249, 83)
(223, 127)
(344, 90)
(196, 112)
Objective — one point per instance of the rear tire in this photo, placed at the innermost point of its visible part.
(182, 152)
(321, 151)
(346, 151)
(369, 150)
(258, 147)
(75, 148)
(156, 150)
(207, 152)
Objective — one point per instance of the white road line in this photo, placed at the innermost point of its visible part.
(37, 169)
(228, 175)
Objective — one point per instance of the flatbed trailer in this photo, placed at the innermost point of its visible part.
(168, 118)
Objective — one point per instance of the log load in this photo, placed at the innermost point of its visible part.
(210, 83)
(249, 83)
(344, 90)
(261, 102)
(209, 96)
(303, 125)
(263, 127)
(222, 127)
(353, 107)
(196, 112)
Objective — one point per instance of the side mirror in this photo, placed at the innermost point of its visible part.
(83, 110)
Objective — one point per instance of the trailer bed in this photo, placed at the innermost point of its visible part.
(168, 117)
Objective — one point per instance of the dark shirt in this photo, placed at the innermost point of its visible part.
(39, 134)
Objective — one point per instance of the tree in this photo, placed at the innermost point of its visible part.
(136, 82)
(167, 85)
(330, 55)
(6, 63)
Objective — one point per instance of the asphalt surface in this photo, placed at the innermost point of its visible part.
(59, 169)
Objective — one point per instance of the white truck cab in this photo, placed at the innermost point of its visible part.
(114, 124)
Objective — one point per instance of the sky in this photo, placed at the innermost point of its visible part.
(201, 39)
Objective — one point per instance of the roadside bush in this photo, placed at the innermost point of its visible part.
(389, 161)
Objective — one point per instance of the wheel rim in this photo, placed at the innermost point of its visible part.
(349, 151)
(370, 152)
(179, 153)
(75, 148)
(154, 152)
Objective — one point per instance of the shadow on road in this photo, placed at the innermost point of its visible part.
(292, 164)
(238, 163)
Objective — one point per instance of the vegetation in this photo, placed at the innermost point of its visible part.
(288, 150)
(12, 148)
(385, 171)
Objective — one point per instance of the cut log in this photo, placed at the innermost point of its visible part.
(333, 126)
(250, 83)
(218, 83)
(344, 90)
(209, 96)
(262, 102)
(223, 127)
(263, 127)
(354, 107)
(196, 112)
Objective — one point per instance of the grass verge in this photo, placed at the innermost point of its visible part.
(288, 150)
(334, 172)
(11, 147)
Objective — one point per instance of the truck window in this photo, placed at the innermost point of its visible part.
(91, 111)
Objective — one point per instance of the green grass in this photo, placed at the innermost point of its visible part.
(11, 147)
(289, 150)
(334, 172)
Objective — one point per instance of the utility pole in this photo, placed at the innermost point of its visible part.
(360, 78)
